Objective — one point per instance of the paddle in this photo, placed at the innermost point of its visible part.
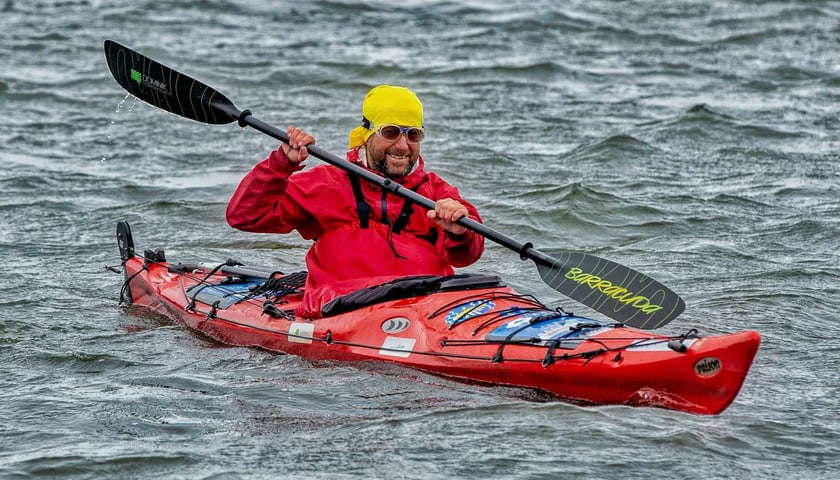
(614, 290)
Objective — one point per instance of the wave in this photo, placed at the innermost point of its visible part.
(704, 120)
(622, 144)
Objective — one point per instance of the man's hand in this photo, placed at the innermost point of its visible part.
(448, 211)
(295, 150)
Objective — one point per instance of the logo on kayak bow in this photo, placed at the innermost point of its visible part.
(708, 366)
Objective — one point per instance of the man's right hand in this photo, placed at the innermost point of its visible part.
(295, 150)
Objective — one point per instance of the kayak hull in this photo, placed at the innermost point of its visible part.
(480, 334)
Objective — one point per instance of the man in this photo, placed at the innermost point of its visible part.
(363, 234)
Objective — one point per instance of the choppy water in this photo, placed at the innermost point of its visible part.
(695, 141)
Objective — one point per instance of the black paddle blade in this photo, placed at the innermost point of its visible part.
(165, 88)
(619, 292)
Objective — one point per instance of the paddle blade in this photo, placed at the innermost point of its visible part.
(166, 88)
(614, 290)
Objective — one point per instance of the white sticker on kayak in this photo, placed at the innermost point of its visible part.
(301, 332)
(397, 347)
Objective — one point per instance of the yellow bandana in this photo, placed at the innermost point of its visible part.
(387, 104)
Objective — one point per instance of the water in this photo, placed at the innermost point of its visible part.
(694, 141)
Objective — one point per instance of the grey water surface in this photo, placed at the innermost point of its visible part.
(696, 141)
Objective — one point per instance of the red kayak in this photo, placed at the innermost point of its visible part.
(468, 327)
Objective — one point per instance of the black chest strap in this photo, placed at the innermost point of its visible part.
(405, 214)
(363, 208)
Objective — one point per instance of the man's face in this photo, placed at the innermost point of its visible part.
(391, 158)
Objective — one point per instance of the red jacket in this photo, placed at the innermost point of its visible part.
(320, 204)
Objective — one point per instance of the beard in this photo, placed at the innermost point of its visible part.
(378, 161)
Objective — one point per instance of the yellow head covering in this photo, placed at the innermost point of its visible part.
(387, 104)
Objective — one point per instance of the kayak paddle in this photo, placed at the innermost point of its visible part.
(619, 292)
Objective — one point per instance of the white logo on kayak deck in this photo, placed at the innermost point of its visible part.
(395, 325)
(301, 332)
(397, 347)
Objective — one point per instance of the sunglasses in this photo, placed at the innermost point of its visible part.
(392, 133)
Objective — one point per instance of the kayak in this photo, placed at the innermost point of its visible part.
(468, 327)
